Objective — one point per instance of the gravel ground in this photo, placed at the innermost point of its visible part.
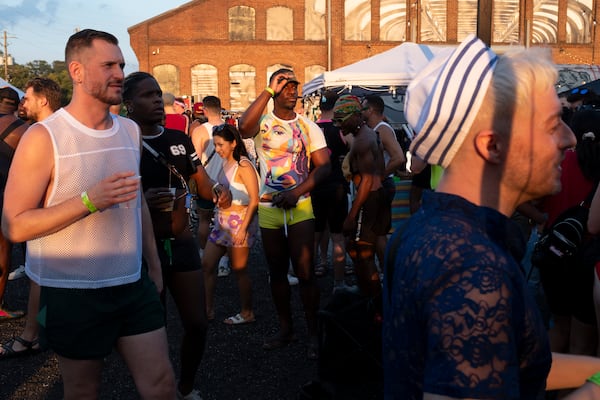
(234, 367)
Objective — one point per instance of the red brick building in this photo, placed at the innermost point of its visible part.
(229, 48)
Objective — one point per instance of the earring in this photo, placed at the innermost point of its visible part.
(129, 110)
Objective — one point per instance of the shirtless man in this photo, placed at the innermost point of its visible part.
(372, 112)
(42, 98)
(11, 130)
(369, 217)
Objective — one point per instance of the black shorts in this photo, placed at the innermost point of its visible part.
(179, 255)
(374, 218)
(85, 324)
(389, 185)
(330, 206)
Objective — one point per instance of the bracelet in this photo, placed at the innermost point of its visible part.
(88, 203)
(215, 186)
(595, 379)
(271, 91)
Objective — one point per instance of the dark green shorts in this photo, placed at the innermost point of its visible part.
(85, 324)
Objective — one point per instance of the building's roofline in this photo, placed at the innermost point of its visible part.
(165, 14)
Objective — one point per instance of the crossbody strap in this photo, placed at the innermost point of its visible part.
(163, 160)
(212, 154)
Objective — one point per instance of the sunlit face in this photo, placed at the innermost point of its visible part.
(146, 104)
(346, 122)
(32, 104)
(224, 148)
(366, 110)
(536, 147)
(288, 96)
(102, 65)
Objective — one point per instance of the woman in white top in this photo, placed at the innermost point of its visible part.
(235, 227)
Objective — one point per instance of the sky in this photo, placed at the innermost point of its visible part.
(39, 29)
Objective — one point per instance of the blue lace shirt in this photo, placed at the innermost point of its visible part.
(459, 320)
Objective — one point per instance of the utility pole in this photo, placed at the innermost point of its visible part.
(6, 37)
(5, 57)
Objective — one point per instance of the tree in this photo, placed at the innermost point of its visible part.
(19, 75)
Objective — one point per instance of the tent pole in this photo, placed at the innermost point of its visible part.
(328, 35)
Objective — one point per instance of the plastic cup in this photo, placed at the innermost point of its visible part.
(169, 208)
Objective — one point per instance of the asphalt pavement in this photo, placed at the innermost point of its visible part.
(234, 366)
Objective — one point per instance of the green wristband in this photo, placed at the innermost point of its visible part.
(595, 379)
(88, 203)
(271, 91)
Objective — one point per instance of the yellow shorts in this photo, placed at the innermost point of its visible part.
(270, 217)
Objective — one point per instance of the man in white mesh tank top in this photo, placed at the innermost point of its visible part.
(74, 196)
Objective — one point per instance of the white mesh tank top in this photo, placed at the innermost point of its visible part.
(104, 248)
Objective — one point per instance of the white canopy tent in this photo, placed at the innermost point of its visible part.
(384, 72)
(3, 83)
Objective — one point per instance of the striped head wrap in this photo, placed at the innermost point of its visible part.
(443, 100)
(347, 104)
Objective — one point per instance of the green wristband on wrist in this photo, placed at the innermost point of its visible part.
(595, 379)
(271, 91)
(88, 203)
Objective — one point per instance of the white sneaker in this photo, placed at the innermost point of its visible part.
(293, 281)
(193, 395)
(223, 269)
(18, 273)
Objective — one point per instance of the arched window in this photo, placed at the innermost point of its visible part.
(242, 86)
(205, 81)
(241, 23)
(167, 76)
(545, 21)
(506, 18)
(358, 19)
(433, 20)
(312, 71)
(315, 20)
(467, 20)
(392, 22)
(579, 21)
(280, 23)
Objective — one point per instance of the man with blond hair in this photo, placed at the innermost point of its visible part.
(459, 321)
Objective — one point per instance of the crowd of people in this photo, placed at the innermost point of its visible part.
(496, 158)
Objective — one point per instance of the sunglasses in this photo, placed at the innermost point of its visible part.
(219, 128)
(340, 121)
(580, 91)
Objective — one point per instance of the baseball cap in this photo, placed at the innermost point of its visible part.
(291, 77)
(9, 96)
(198, 108)
(328, 100)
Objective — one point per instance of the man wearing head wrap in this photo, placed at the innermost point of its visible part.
(293, 157)
(459, 321)
(370, 216)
